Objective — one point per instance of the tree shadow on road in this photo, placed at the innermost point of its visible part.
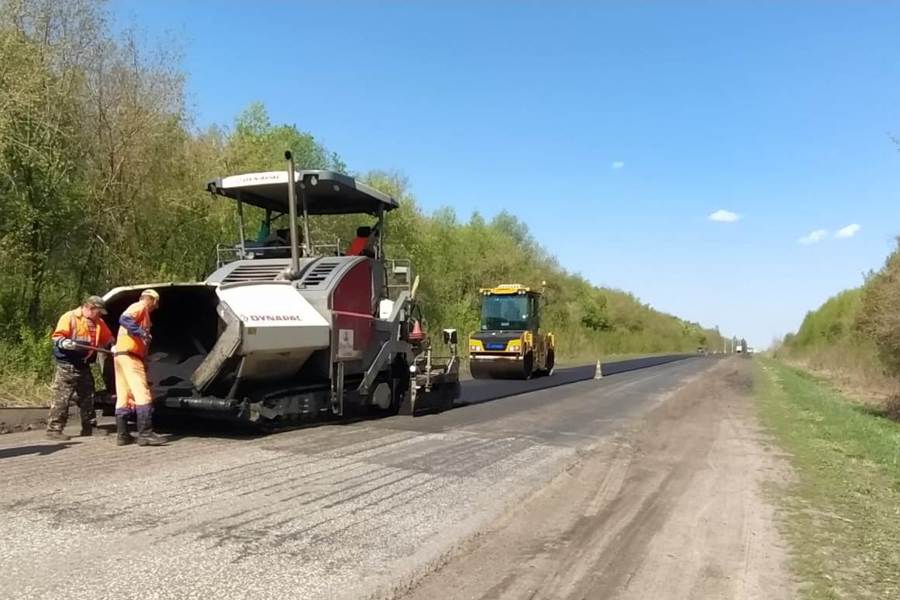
(37, 449)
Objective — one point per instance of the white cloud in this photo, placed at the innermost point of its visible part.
(617, 164)
(813, 237)
(848, 231)
(724, 216)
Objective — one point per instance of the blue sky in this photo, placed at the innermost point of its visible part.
(612, 129)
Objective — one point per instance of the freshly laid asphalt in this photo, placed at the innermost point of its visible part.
(483, 390)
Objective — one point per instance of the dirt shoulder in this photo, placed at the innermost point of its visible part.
(674, 508)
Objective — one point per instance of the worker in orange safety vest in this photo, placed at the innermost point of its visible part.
(79, 335)
(132, 390)
(360, 244)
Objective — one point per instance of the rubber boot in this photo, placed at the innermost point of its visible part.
(146, 435)
(123, 438)
(57, 436)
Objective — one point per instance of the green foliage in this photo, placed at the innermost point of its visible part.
(879, 317)
(255, 144)
(29, 355)
(594, 315)
(832, 322)
(856, 330)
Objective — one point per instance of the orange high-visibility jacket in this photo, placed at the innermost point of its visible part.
(357, 246)
(134, 327)
(74, 326)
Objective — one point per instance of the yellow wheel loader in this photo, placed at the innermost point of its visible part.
(510, 343)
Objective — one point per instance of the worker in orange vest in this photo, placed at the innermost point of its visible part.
(78, 336)
(359, 245)
(132, 389)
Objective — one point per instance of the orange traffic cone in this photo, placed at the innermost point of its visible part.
(416, 334)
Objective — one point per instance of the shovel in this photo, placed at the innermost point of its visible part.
(94, 348)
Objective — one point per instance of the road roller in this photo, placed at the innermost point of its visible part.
(287, 329)
(510, 343)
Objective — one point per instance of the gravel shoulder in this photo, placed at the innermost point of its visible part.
(671, 508)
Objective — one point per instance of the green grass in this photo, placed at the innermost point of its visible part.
(842, 508)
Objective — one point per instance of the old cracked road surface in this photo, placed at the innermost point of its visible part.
(592, 489)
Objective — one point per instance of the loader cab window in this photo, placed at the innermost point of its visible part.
(505, 313)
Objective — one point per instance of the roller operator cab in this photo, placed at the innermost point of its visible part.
(285, 329)
(510, 343)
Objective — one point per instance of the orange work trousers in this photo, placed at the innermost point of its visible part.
(132, 389)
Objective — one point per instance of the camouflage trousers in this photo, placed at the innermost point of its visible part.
(71, 383)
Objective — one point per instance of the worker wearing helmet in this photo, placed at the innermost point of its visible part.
(78, 336)
(132, 389)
